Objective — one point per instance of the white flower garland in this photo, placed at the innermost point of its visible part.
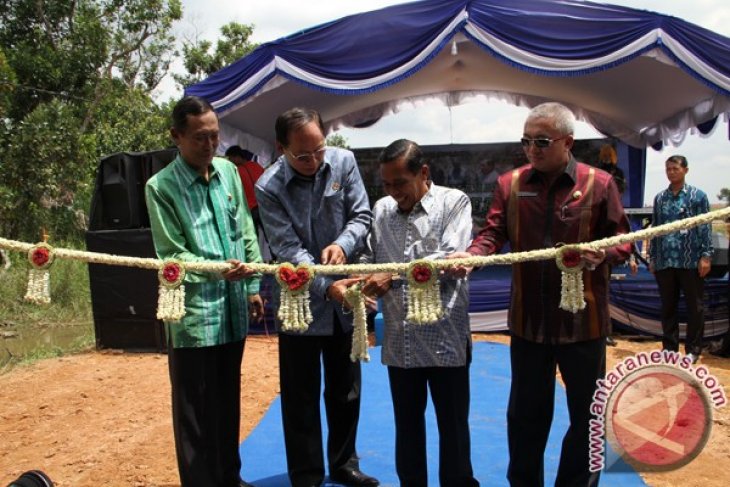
(571, 264)
(294, 311)
(424, 295)
(40, 258)
(171, 299)
(356, 300)
(39, 287)
(295, 314)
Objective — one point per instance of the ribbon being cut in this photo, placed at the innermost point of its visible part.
(424, 303)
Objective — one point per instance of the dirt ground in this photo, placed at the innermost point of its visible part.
(103, 419)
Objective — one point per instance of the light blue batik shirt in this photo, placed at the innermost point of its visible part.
(682, 249)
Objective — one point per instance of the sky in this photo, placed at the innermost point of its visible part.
(477, 122)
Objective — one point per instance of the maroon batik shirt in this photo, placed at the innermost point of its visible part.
(582, 204)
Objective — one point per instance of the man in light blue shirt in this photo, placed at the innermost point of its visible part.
(420, 220)
(314, 209)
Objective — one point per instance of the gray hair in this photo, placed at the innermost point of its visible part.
(562, 117)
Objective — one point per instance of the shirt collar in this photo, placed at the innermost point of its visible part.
(569, 170)
(683, 189)
(426, 202)
(190, 175)
(428, 199)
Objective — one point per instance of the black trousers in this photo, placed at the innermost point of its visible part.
(670, 282)
(531, 405)
(301, 359)
(206, 413)
(449, 388)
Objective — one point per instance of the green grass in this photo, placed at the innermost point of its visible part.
(68, 314)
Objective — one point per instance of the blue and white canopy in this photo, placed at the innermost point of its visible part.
(639, 76)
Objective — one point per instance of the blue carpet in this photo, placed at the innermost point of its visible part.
(264, 461)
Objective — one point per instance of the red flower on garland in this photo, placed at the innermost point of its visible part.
(571, 258)
(40, 256)
(171, 272)
(294, 279)
(421, 273)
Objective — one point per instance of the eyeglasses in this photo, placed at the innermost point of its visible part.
(542, 143)
(316, 155)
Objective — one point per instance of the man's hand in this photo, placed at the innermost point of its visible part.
(593, 258)
(633, 265)
(703, 267)
(255, 308)
(459, 270)
(377, 284)
(238, 271)
(336, 291)
(333, 255)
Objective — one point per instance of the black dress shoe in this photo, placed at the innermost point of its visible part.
(353, 477)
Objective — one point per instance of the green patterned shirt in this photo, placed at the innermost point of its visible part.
(195, 220)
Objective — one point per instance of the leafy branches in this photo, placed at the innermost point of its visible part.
(199, 62)
(75, 84)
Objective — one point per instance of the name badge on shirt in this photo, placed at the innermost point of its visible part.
(526, 194)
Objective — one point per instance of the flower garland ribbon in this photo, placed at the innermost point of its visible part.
(40, 257)
(294, 311)
(570, 262)
(171, 301)
(424, 295)
(356, 300)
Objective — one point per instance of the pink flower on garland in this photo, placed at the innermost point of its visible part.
(571, 258)
(40, 256)
(421, 273)
(294, 279)
(171, 272)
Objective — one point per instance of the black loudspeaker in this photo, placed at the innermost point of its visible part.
(124, 299)
(118, 201)
(121, 191)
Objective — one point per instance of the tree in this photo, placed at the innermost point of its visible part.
(337, 140)
(80, 73)
(724, 195)
(199, 62)
(7, 84)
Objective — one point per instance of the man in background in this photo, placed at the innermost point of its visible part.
(681, 260)
(250, 172)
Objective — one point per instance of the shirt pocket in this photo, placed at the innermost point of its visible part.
(573, 214)
(234, 223)
(333, 206)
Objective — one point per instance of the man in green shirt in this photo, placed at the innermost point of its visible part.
(198, 212)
